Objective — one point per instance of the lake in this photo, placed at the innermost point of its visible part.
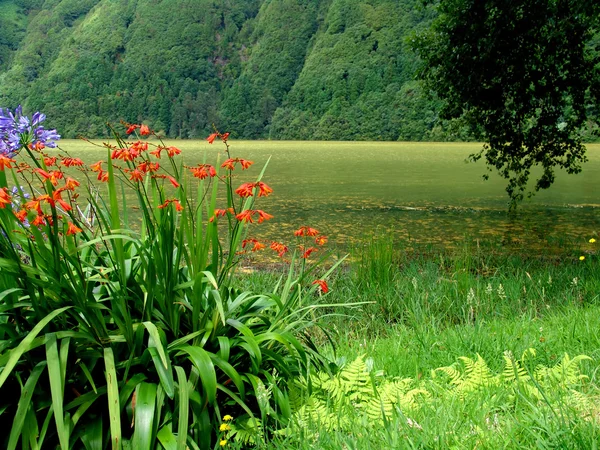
(417, 192)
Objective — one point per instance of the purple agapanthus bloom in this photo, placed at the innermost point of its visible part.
(18, 131)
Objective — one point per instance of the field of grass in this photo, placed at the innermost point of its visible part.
(430, 308)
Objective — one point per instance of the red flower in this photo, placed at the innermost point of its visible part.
(229, 164)
(73, 229)
(70, 162)
(164, 205)
(245, 163)
(96, 167)
(306, 231)
(5, 162)
(263, 189)
(178, 206)
(136, 175)
(246, 216)
(321, 240)
(103, 176)
(322, 286)
(245, 190)
(21, 215)
(224, 136)
(157, 151)
(256, 245)
(4, 198)
(50, 161)
(308, 251)
(172, 151)
(39, 220)
(262, 216)
(132, 128)
(203, 171)
(173, 181)
(212, 138)
(71, 184)
(144, 130)
(279, 248)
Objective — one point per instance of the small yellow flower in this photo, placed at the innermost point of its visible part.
(223, 442)
(592, 240)
(227, 418)
(224, 427)
(581, 258)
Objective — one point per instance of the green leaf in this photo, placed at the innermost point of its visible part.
(114, 409)
(201, 359)
(145, 406)
(25, 344)
(184, 408)
(57, 389)
(92, 435)
(23, 406)
(164, 373)
(167, 438)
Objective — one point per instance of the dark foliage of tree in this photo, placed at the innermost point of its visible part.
(524, 75)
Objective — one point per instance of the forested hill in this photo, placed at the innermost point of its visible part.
(280, 69)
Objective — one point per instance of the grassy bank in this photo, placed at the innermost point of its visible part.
(427, 309)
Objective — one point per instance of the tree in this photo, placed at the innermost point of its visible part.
(522, 74)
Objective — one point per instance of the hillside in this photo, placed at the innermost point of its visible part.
(289, 69)
(278, 69)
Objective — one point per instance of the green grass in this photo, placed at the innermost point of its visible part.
(430, 307)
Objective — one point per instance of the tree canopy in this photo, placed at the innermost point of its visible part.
(524, 76)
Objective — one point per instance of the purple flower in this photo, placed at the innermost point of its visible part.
(18, 131)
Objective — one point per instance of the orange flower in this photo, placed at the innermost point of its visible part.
(157, 151)
(245, 190)
(132, 128)
(263, 189)
(229, 164)
(245, 163)
(71, 184)
(5, 162)
(178, 206)
(173, 181)
(322, 286)
(212, 138)
(4, 198)
(146, 167)
(39, 220)
(172, 151)
(53, 177)
(70, 162)
(34, 204)
(321, 240)
(144, 130)
(224, 136)
(21, 215)
(138, 147)
(246, 216)
(262, 216)
(279, 248)
(37, 146)
(308, 251)
(306, 231)
(103, 176)
(256, 245)
(164, 205)
(96, 167)
(73, 229)
(50, 161)
(136, 175)
(203, 171)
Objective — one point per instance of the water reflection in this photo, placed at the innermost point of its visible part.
(417, 192)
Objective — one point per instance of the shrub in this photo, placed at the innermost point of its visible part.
(133, 331)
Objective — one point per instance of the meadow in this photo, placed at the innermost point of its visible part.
(435, 319)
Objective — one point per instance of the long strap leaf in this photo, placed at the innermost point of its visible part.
(25, 344)
(114, 409)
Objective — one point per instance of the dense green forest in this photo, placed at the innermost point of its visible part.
(279, 69)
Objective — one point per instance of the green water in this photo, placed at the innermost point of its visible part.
(422, 192)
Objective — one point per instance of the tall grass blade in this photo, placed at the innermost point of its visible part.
(184, 408)
(26, 343)
(23, 407)
(57, 389)
(114, 409)
(145, 406)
